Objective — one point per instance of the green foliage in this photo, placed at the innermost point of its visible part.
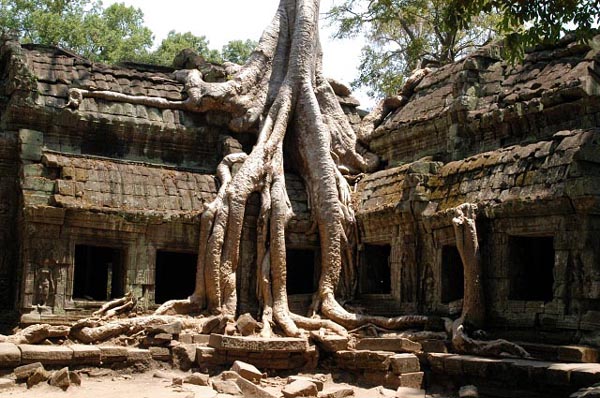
(175, 42)
(401, 34)
(528, 23)
(110, 35)
(238, 51)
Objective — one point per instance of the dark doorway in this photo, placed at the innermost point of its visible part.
(175, 275)
(375, 276)
(531, 268)
(453, 275)
(98, 273)
(300, 271)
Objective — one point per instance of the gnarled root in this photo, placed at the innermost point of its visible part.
(117, 306)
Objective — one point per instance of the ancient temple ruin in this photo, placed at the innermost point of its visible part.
(106, 198)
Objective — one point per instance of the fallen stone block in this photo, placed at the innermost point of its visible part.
(24, 371)
(247, 371)
(184, 356)
(404, 363)
(394, 344)
(248, 388)
(60, 379)
(300, 388)
(226, 387)
(246, 324)
(336, 392)
(329, 343)
(160, 353)
(407, 392)
(170, 328)
(468, 392)
(112, 354)
(74, 378)
(412, 380)
(46, 354)
(198, 379)
(86, 354)
(10, 355)
(38, 376)
(318, 383)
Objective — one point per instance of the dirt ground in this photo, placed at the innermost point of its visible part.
(158, 383)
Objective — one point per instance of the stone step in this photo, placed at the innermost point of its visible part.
(515, 373)
(394, 344)
(562, 353)
(257, 344)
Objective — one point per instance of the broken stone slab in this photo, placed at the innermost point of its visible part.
(46, 354)
(318, 383)
(24, 371)
(329, 343)
(112, 354)
(257, 344)
(247, 371)
(6, 384)
(246, 324)
(198, 379)
(74, 378)
(300, 388)
(412, 380)
(10, 355)
(248, 388)
(160, 353)
(226, 387)
(336, 392)
(363, 359)
(404, 363)
(60, 379)
(381, 378)
(183, 356)
(159, 374)
(86, 354)
(138, 355)
(394, 344)
(38, 376)
(170, 328)
(407, 392)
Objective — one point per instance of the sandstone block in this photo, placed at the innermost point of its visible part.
(184, 356)
(434, 346)
(138, 355)
(200, 338)
(406, 392)
(74, 378)
(10, 355)
(300, 388)
(246, 324)
(198, 379)
(394, 344)
(318, 383)
(577, 354)
(38, 376)
(336, 392)
(372, 360)
(226, 387)
(24, 371)
(160, 353)
(170, 328)
(257, 344)
(186, 338)
(412, 380)
(61, 379)
(113, 354)
(46, 354)
(248, 388)
(404, 363)
(247, 371)
(86, 354)
(381, 378)
(333, 343)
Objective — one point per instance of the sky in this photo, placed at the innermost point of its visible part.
(224, 20)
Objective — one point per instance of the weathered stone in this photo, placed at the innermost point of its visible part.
(330, 343)
(246, 324)
(394, 344)
(248, 388)
(6, 384)
(113, 354)
(381, 378)
(412, 380)
(237, 343)
(468, 392)
(60, 379)
(38, 376)
(186, 338)
(336, 392)
(434, 346)
(184, 356)
(46, 354)
(170, 328)
(300, 388)
(247, 371)
(74, 378)
(372, 360)
(404, 363)
(200, 338)
(226, 387)
(138, 355)
(10, 355)
(317, 382)
(86, 354)
(160, 353)
(198, 379)
(407, 392)
(177, 381)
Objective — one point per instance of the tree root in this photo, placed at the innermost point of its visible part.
(117, 306)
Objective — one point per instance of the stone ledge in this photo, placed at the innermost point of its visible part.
(257, 344)
(10, 355)
(46, 354)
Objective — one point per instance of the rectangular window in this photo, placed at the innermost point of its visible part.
(375, 276)
(300, 271)
(98, 273)
(175, 276)
(531, 264)
(453, 277)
